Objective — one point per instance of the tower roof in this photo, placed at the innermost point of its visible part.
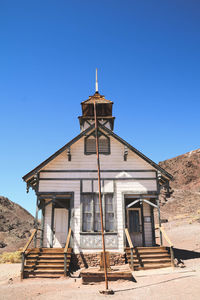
(97, 98)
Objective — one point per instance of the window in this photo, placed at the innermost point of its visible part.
(91, 221)
(109, 212)
(90, 144)
(87, 213)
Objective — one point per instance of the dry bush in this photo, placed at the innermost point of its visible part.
(10, 257)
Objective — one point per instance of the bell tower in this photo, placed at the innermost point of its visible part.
(103, 110)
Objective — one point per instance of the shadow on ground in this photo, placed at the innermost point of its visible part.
(185, 254)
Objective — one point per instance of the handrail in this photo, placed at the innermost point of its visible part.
(29, 241)
(171, 246)
(166, 237)
(128, 238)
(68, 240)
(66, 249)
(24, 250)
(130, 245)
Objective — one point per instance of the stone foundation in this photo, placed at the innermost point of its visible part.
(84, 260)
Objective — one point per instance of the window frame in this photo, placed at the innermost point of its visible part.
(93, 195)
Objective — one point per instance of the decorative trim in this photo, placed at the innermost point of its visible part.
(83, 133)
(112, 178)
(69, 154)
(99, 233)
(89, 171)
(125, 153)
(44, 163)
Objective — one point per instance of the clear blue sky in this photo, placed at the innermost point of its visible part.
(148, 56)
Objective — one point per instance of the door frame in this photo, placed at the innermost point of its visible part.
(54, 221)
(139, 209)
(52, 196)
(135, 197)
(140, 219)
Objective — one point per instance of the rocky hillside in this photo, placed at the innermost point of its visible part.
(185, 199)
(15, 225)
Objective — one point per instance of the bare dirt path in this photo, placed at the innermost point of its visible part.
(153, 284)
(184, 285)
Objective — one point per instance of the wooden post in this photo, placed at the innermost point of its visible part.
(100, 200)
(132, 266)
(159, 221)
(52, 224)
(42, 225)
(153, 227)
(142, 217)
(65, 264)
(22, 266)
(36, 223)
(172, 256)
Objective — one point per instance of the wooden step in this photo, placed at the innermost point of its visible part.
(48, 250)
(149, 257)
(153, 266)
(53, 271)
(159, 261)
(45, 256)
(30, 275)
(147, 251)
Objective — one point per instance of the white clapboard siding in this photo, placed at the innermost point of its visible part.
(117, 175)
(62, 186)
(114, 161)
(132, 187)
(47, 225)
(147, 226)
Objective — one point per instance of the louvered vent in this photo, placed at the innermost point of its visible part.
(90, 145)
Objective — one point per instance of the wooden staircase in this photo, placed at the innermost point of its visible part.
(148, 257)
(46, 262)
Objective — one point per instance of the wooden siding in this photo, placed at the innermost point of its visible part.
(47, 225)
(120, 183)
(114, 161)
(147, 226)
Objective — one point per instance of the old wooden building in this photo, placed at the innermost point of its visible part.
(66, 188)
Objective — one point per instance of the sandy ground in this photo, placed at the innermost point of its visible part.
(180, 283)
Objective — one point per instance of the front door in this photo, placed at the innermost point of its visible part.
(134, 226)
(61, 217)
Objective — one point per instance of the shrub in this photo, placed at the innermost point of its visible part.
(10, 257)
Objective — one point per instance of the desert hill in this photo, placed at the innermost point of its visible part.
(15, 225)
(184, 202)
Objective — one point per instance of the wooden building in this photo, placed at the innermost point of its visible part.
(66, 188)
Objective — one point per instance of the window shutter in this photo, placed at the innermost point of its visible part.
(90, 145)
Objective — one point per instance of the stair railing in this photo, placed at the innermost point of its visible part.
(33, 234)
(130, 246)
(66, 250)
(171, 246)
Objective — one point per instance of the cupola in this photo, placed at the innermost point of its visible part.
(103, 110)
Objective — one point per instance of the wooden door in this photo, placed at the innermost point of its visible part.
(61, 217)
(134, 226)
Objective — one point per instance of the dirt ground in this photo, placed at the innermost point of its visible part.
(180, 283)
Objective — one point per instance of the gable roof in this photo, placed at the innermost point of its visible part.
(83, 133)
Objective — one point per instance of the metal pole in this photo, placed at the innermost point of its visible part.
(100, 200)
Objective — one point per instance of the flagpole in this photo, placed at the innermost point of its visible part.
(100, 199)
